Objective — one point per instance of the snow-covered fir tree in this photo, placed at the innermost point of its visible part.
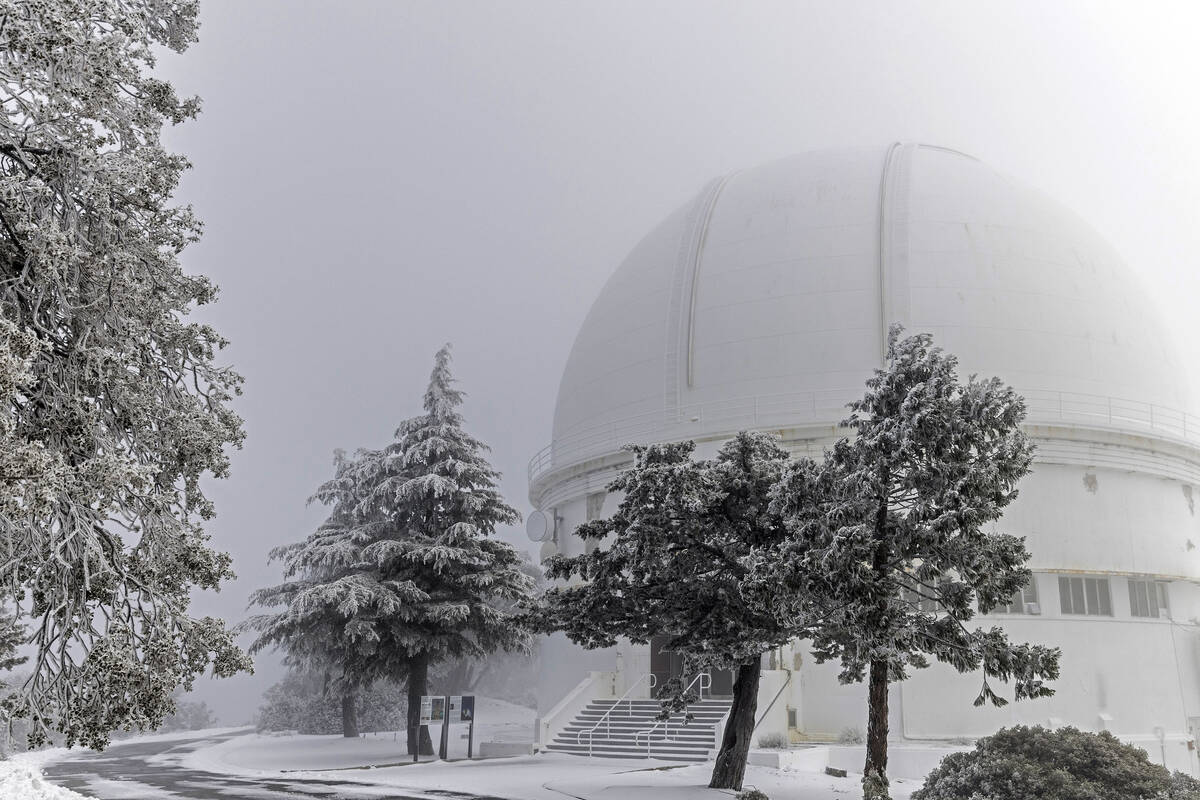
(114, 406)
(690, 554)
(314, 627)
(506, 674)
(432, 580)
(898, 544)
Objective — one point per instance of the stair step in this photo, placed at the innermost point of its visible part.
(609, 729)
(648, 714)
(576, 727)
(647, 702)
(703, 748)
(633, 752)
(570, 738)
(623, 730)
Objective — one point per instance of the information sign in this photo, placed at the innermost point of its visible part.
(433, 709)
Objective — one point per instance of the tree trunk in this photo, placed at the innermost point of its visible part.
(418, 685)
(875, 781)
(349, 714)
(730, 767)
(875, 770)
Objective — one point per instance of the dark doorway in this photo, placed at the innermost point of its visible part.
(665, 665)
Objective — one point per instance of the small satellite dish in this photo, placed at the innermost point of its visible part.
(539, 526)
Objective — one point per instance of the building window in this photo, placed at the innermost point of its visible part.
(1025, 601)
(923, 599)
(1089, 596)
(595, 505)
(1148, 598)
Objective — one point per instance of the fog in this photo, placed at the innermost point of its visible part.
(378, 178)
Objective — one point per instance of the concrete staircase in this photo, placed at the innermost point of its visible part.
(617, 736)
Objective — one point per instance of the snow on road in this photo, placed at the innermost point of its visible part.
(241, 763)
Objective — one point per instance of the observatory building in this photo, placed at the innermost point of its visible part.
(764, 303)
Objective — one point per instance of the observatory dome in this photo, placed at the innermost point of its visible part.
(765, 302)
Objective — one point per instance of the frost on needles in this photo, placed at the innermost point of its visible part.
(406, 573)
(115, 405)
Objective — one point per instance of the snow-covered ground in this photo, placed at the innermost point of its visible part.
(256, 754)
(23, 781)
(21, 775)
(380, 761)
(555, 776)
(377, 765)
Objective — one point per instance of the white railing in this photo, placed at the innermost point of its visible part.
(829, 407)
(705, 679)
(606, 720)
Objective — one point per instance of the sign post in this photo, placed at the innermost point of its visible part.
(433, 710)
(444, 747)
(448, 710)
(466, 713)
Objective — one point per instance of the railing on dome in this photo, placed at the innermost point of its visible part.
(800, 408)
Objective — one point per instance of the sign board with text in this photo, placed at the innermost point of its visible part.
(433, 709)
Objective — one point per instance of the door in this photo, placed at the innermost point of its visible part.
(665, 665)
(722, 683)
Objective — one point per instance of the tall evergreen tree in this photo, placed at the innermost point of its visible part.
(114, 404)
(319, 571)
(896, 545)
(691, 555)
(432, 579)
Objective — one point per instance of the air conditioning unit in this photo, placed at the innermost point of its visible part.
(1033, 608)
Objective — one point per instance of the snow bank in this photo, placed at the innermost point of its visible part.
(258, 754)
(21, 781)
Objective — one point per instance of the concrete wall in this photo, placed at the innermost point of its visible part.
(1102, 519)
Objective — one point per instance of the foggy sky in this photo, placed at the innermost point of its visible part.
(378, 178)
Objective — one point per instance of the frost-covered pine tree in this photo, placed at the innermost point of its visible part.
(898, 545)
(691, 554)
(314, 629)
(433, 578)
(113, 404)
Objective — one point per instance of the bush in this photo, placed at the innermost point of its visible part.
(773, 741)
(188, 716)
(751, 794)
(1023, 763)
(851, 736)
(300, 703)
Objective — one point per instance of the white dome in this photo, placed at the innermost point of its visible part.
(765, 301)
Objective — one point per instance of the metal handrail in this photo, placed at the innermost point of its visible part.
(771, 704)
(705, 679)
(608, 714)
(792, 408)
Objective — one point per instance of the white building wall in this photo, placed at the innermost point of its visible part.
(763, 304)
(1106, 520)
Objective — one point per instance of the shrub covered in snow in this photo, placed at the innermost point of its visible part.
(300, 703)
(851, 735)
(1023, 763)
(189, 715)
(751, 794)
(773, 741)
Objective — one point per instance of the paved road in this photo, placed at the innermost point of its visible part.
(131, 772)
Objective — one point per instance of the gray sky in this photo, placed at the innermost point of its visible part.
(378, 178)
